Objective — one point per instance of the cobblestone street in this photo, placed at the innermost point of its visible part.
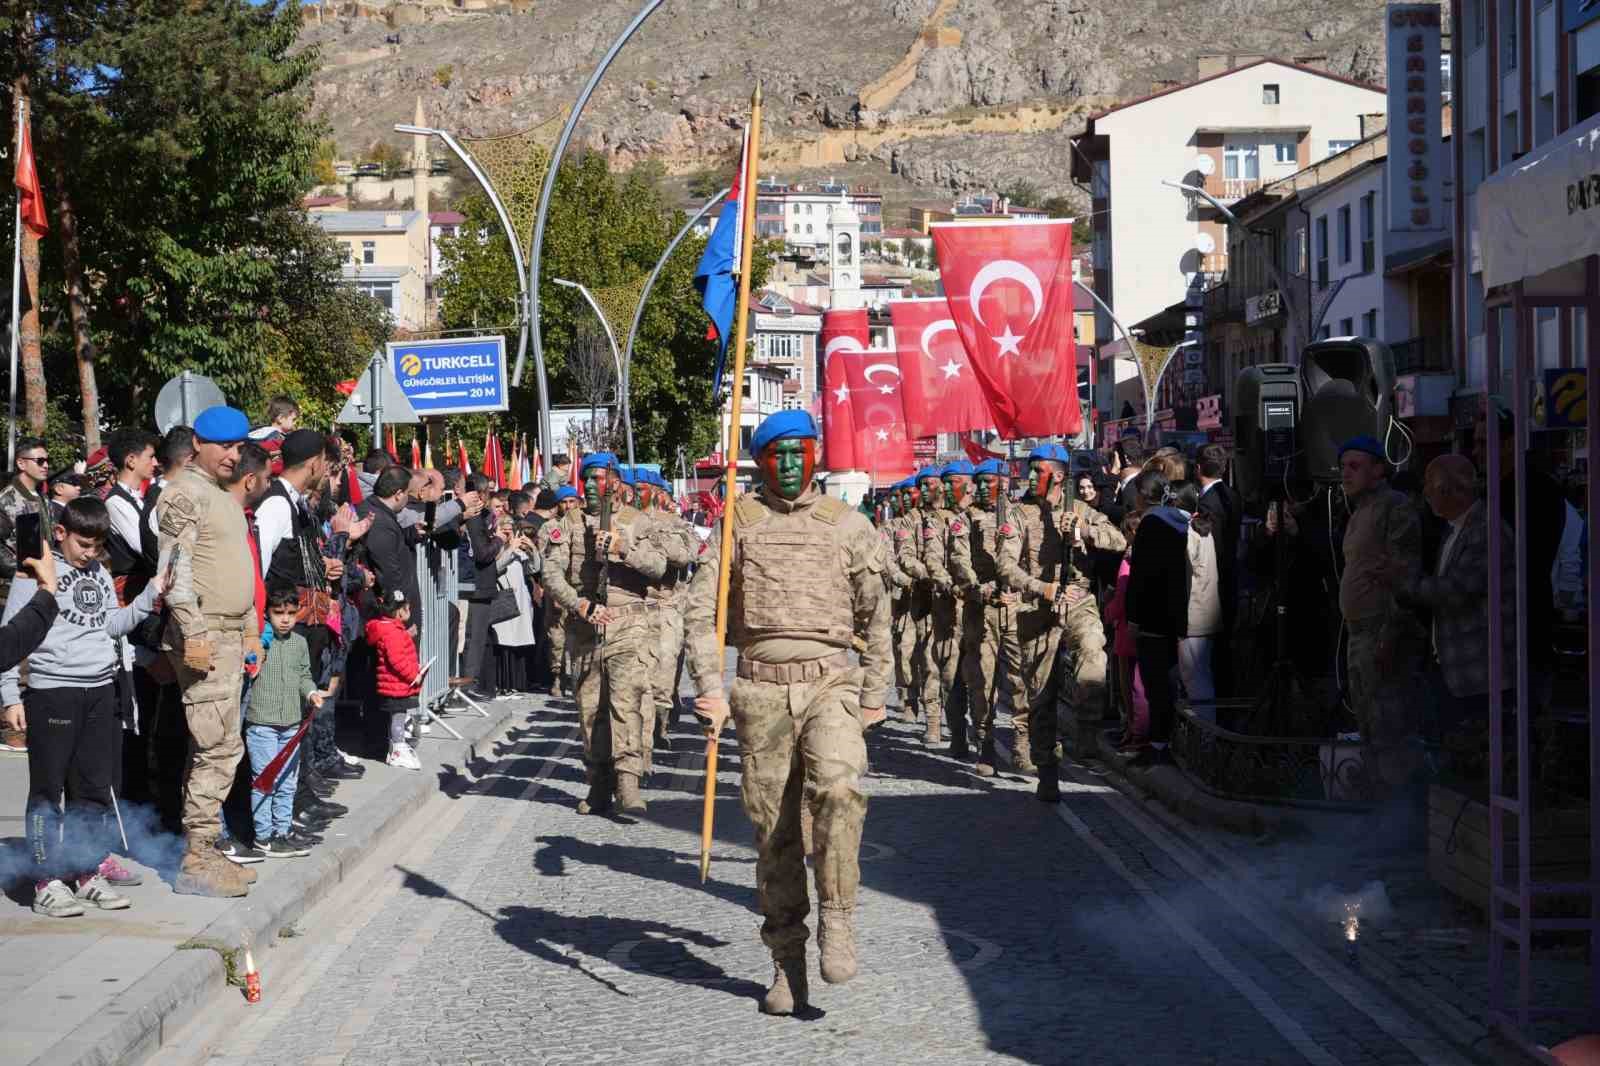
(502, 927)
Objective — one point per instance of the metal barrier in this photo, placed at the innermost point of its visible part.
(438, 587)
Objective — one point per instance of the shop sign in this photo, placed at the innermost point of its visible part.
(1258, 309)
(1415, 171)
(1208, 411)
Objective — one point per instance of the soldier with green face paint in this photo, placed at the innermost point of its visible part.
(923, 555)
(806, 581)
(899, 591)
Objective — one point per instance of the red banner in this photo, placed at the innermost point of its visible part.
(842, 332)
(884, 451)
(1009, 290)
(941, 395)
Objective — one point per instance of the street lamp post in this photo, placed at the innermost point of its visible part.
(516, 258)
(616, 356)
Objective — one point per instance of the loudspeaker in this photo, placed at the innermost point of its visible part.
(1266, 410)
(1347, 387)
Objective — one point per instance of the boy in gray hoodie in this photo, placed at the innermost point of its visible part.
(71, 709)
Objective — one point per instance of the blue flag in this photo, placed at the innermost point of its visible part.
(714, 277)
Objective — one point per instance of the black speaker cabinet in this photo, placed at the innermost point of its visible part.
(1266, 411)
(1347, 388)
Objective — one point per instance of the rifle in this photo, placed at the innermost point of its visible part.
(603, 586)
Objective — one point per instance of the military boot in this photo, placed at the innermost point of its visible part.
(958, 744)
(837, 941)
(1021, 757)
(1049, 789)
(628, 799)
(599, 799)
(788, 992)
(933, 731)
(985, 767)
(204, 872)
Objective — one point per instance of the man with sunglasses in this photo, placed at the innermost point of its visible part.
(24, 494)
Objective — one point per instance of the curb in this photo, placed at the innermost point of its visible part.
(134, 1025)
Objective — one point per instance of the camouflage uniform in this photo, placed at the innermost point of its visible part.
(991, 654)
(665, 687)
(1036, 551)
(902, 636)
(212, 600)
(807, 581)
(571, 573)
(15, 500)
(925, 556)
(555, 626)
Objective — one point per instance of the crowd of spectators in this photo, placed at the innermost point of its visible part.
(220, 622)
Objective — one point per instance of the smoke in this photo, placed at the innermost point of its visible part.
(1329, 903)
(77, 843)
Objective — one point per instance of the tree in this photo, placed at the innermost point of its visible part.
(1022, 193)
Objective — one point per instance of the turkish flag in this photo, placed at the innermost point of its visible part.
(30, 194)
(875, 393)
(941, 394)
(842, 332)
(884, 451)
(1009, 289)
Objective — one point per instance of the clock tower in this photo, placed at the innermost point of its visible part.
(844, 256)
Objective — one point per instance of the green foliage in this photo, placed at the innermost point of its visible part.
(1022, 193)
(182, 135)
(443, 76)
(603, 229)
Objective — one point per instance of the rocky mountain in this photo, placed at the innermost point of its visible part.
(935, 96)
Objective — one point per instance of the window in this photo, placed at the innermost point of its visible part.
(1510, 142)
(1335, 147)
(369, 252)
(1479, 27)
(744, 436)
(1344, 234)
(1241, 161)
(1347, 327)
(1508, 37)
(1369, 243)
(808, 229)
(1322, 252)
(1283, 152)
(1369, 323)
(382, 292)
(1269, 94)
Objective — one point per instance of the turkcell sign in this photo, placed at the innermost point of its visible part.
(462, 375)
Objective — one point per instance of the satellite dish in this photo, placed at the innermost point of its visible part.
(184, 397)
(1205, 165)
(1204, 243)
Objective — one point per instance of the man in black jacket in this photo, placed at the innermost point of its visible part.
(485, 549)
(1218, 500)
(388, 546)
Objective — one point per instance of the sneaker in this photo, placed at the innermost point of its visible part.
(348, 759)
(53, 899)
(96, 891)
(14, 741)
(402, 757)
(119, 875)
(301, 841)
(284, 847)
(238, 852)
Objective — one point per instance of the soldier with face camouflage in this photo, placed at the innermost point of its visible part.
(991, 656)
(1044, 556)
(683, 549)
(806, 582)
(952, 617)
(924, 556)
(894, 527)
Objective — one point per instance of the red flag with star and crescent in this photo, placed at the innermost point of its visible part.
(883, 437)
(940, 393)
(1008, 286)
(842, 331)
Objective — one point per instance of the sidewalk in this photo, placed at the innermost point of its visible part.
(104, 988)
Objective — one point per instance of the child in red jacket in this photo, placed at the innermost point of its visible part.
(399, 674)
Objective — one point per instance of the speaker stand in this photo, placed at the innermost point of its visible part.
(1274, 706)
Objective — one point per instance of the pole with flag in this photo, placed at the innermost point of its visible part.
(741, 321)
(30, 213)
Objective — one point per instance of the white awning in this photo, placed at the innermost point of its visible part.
(1542, 212)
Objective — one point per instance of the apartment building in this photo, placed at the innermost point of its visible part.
(387, 258)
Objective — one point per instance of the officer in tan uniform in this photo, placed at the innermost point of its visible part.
(1044, 556)
(953, 616)
(806, 582)
(212, 627)
(572, 577)
(555, 615)
(923, 554)
(990, 653)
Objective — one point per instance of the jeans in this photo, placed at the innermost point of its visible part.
(274, 811)
(1194, 667)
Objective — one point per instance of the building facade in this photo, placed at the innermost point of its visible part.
(799, 212)
(387, 258)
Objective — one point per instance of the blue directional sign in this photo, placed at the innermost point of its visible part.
(461, 375)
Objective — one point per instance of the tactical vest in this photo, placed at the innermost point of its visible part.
(791, 578)
(583, 562)
(296, 560)
(625, 584)
(1051, 549)
(125, 558)
(982, 533)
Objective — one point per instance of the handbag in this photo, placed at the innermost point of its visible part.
(504, 608)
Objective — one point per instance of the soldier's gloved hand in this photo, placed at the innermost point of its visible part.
(1051, 591)
(197, 656)
(713, 707)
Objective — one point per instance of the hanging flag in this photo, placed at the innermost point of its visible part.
(940, 392)
(875, 395)
(1009, 290)
(466, 464)
(719, 263)
(427, 451)
(842, 332)
(352, 486)
(885, 451)
(389, 445)
(532, 472)
(30, 195)
(416, 453)
(514, 468)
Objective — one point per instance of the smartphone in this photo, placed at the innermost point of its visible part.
(30, 535)
(429, 511)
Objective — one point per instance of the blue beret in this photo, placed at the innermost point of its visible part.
(926, 472)
(996, 467)
(783, 425)
(604, 460)
(1053, 452)
(222, 425)
(959, 467)
(628, 476)
(566, 492)
(1366, 444)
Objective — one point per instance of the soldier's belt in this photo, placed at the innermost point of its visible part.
(229, 619)
(623, 610)
(792, 673)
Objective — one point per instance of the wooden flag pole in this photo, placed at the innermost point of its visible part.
(747, 213)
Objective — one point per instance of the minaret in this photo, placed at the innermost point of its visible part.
(844, 256)
(420, 164)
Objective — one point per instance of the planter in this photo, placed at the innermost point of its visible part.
(1459, 857)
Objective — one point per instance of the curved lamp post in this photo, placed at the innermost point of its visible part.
(616, 357)
(1127, 338)
(516, 259)
(650, 283)
(537, 251)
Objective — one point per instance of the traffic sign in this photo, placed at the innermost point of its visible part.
(455, 376)
(377, 398)
(185, 396)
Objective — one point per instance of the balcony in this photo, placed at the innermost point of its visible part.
(1230, 189)
(1422, 355)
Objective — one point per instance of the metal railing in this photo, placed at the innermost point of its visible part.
(436, 581)
(1229, 189)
